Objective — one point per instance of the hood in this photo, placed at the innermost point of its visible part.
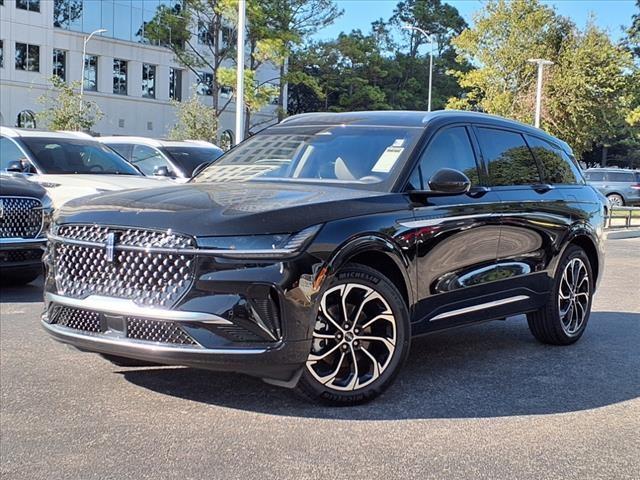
(18, 186)
(207, 209)
(63, 188)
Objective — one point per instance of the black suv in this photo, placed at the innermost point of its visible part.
(25, 211)
(311, 254)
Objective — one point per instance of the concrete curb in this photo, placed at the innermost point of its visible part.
(623, 233)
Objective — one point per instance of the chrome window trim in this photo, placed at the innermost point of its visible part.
(41, 207)
(122, 306)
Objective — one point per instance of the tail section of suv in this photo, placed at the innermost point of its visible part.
(621, 187)
(312, 254)
(25, 212)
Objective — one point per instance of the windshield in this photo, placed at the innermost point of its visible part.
(188, 158)
(65, 155)
(355, 156)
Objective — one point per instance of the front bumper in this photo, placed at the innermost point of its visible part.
(17, 253)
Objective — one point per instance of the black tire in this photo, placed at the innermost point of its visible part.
(20, 276)
(547, 324)
(358, 283)
(615, 200)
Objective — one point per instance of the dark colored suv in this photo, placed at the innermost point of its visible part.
(25, 211)
(311, 254)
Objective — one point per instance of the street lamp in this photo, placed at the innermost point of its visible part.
(84, 55)
(430, 39)
(541, 63)
(240, 73)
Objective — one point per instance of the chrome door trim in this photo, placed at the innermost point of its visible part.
(122, 306)
(481, 306)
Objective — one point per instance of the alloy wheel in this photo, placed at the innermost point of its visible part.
(354, 338)
(574, 296)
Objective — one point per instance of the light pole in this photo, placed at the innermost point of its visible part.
(84, 55)
(541, 63)
(430, 39)
(240, 73)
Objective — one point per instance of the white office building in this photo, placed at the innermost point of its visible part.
(132, 80)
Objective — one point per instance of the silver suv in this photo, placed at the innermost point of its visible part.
(621, 187)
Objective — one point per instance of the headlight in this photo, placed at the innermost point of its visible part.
(259, 246)
(47, 215)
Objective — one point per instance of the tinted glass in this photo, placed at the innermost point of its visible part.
(91, 73)
(148, 81)
(594, 176)
(450, 148)
(148, 159)
(60, 63)
(119, 76)
(122, 149)
(188, 158)
(9, 152)
(364, 157)
(620, 177)
(57, 155)
(508, 157)
(556, 168)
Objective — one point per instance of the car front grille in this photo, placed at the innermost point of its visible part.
(20, 217)
(136, 328)
(149, 278)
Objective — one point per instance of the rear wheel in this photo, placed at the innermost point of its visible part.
(563, 320)
(615, 200)
(360, 340)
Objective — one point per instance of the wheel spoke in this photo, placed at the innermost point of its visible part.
(326, 336)
(376, 364)
(315, 358)
(329, 378)
(383, 316)
(369, 338)
(356, 377)
(371, 295)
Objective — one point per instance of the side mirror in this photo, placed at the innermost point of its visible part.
(162, 171)
(445, 182)
(16, 166)
(200, 168)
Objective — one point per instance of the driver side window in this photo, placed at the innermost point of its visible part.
(9, 153)
(148, 159)
(450, 148)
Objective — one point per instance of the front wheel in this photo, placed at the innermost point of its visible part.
(563, 320)
(615, 200)
(360, 340)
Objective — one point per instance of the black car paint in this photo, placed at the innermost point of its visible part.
(443, 253)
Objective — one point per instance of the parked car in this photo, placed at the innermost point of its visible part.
(68, 165)
(25, 213)
(621, 187)
(177, 160)
(311, 254)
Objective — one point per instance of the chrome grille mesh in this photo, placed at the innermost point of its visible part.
(77, 319)
(156, 331)
(21, 217)
(147, 278)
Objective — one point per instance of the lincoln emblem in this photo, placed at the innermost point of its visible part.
(110, 246)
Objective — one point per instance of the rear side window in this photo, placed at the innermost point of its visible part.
(594, 176)
(557, 168)
(621, 177)
(450, 148)
(508, 157)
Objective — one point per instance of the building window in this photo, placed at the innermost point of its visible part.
(148, 81)
(60, 64)
(91, 73)
(226, 92)
(226, 140)
(27, 57)
(26, 119)
(30, 5)
(1, 53)
(175, 84)
(205, 36)
(119, 76)
(205, 84)
(67, 13)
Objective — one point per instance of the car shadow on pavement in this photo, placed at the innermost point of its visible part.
(489, 370)
(30, 293)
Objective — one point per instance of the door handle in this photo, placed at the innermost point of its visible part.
(543, 188)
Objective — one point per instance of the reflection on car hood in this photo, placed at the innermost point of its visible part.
(226, 209)
(62, 188)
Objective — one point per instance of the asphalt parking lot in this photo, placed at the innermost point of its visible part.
(481, 402)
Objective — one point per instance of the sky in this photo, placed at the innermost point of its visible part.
(609, 14)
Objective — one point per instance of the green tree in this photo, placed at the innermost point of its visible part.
(584, 94)
(195, 121)
(63, 110)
